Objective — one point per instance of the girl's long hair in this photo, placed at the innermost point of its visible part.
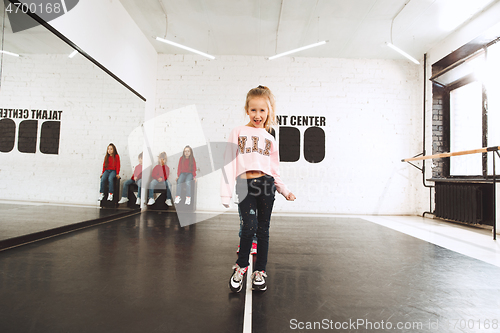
(115, 152)
(191, 158)
(265, 92)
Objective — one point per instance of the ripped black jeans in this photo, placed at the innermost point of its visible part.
(256, 200)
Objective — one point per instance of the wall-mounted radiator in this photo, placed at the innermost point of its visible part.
(464, 202)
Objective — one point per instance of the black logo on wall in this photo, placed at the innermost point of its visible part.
(47, 10)
(314, 138)
(27, 130)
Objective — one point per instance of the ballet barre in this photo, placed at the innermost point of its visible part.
(458, 153)
(493, 149)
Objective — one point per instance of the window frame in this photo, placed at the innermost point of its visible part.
(441, 95)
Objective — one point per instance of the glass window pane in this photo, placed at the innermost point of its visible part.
(492, 82)
(466, 129)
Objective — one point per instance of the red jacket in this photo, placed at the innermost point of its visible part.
(113, 164)
(184, 167)
(137, 173)
(160, 171)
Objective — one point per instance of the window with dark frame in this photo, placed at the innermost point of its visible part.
(466, 109)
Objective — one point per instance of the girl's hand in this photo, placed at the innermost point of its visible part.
(290, 197)
(160, 179)
(118, 176)
(176, 178)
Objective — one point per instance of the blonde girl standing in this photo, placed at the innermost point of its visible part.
(252, 162)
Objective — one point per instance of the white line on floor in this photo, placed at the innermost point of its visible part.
(247, 315)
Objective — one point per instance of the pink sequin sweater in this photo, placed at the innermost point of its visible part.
(250, 148)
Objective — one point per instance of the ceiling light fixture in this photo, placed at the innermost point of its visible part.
(397, 49)
(185, 48)
(73, 53)
(297, 50)
(9, 53)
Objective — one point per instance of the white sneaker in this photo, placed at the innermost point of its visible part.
(177, 199)
(123, 200)
(151, 201)
(138, 201)
(188, 201)
(168, 202)
(259, 281)
(101, 196)
(236, 280)
(110, 197)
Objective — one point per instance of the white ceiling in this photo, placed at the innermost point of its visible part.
(354, 28)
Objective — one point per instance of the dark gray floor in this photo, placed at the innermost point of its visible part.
(22, 223)
(18, 219)
(145, 273)
(349, 270)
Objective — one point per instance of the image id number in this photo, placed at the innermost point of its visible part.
(42, 8)
(475, 324)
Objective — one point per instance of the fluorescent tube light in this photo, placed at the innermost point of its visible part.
(9, 53)
(185, 47)
(73, 53)
(397, 49)
(297, 50)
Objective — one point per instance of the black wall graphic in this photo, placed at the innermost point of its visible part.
(314, 144)
(7, 135)
(289, 144)
(314, 139)
(49, 137)
(27, 136)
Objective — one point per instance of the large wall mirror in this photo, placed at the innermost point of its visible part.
(57, 116)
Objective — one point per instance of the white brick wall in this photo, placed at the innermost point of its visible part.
(373, 111)
(96, 111)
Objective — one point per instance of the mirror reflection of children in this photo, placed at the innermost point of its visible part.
(160, 179)
(186, 173)
(253, 164)
(137, 179)
(110, 170)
